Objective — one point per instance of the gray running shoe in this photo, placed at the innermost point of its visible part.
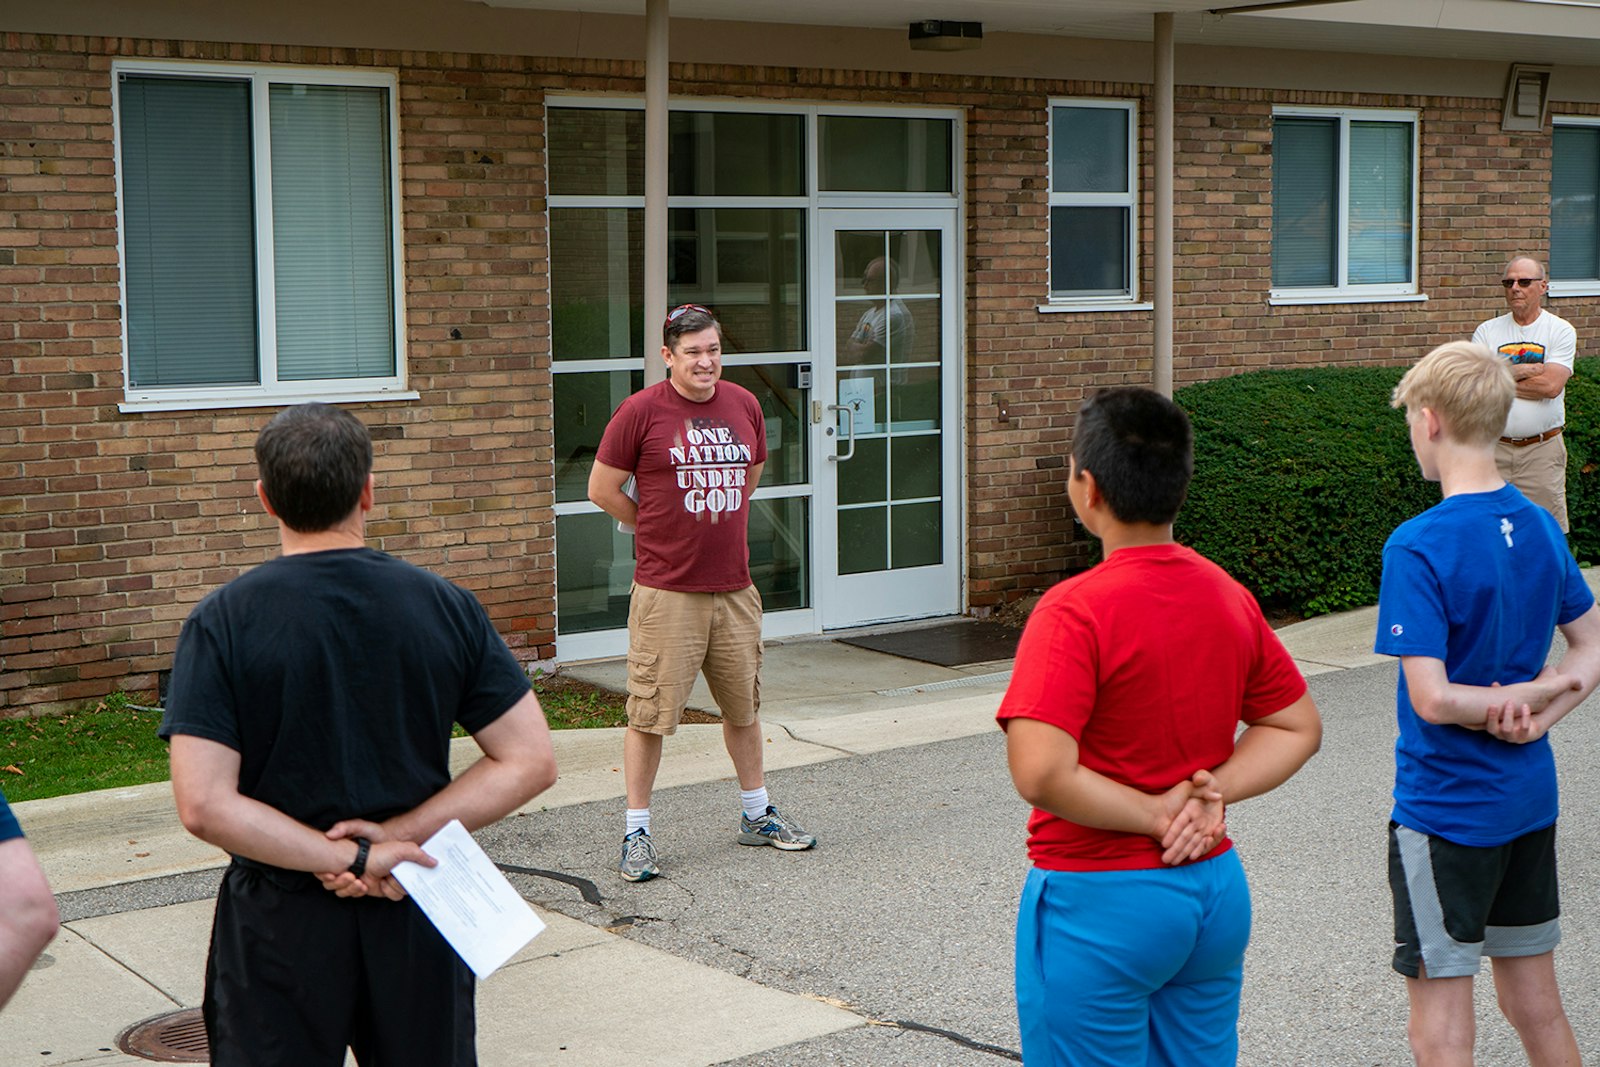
(638, 857)
(775, 830)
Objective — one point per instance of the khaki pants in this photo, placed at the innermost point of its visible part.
(1540, 471)
(674, 636)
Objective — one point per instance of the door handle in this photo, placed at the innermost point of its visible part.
(849, 430)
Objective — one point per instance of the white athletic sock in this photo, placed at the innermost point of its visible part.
(754, 802)
(638, 819)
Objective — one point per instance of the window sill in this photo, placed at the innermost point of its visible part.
(1109, 305)
(1346, 298)
(261, 400)
(1580, 287)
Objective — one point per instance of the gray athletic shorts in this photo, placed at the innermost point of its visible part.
(1454, 904)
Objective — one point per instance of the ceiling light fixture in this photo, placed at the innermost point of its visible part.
(942, 35)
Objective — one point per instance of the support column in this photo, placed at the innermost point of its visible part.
(655, 186)
(1161, 274)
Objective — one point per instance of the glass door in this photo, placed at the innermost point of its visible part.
(887, 473)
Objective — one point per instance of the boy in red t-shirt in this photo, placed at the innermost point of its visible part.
(1129, 686)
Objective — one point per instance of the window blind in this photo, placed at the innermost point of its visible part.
(1379, 246)
(331, 234)
(1574, 185)
(188, 231)
(1305, 199)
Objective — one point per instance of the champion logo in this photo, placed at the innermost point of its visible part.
(1396, 630)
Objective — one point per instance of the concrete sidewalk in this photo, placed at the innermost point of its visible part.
(118, 961)
(135, 888)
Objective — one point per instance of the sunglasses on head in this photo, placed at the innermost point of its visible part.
(1523, 282)
(678, 312)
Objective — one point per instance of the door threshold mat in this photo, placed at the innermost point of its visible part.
(951, 644)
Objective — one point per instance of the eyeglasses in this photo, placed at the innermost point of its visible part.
(1523, 282)
(678, 312)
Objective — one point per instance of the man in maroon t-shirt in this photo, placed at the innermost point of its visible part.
(694, 446)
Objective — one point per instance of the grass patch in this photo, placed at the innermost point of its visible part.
(114, 744)
(111, 745)
(573, 705)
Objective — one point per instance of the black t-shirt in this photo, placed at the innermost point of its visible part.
(336, 676)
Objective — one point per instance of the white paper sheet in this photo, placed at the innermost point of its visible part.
(630, 489)
(469, 900)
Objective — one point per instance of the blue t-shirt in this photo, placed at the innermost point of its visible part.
(9, 828)
(1480, 581)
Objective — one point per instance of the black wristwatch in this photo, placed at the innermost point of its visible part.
(359, 867)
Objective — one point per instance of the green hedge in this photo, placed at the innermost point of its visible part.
(1300, 475)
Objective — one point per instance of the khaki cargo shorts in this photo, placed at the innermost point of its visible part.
(1540, 471)
(674, 636)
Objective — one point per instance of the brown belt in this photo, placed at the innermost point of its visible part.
(1539, 438)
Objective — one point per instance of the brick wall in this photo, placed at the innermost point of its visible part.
(112, 526)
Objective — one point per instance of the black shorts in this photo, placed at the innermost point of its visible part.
(296, 974)
(1454, 904)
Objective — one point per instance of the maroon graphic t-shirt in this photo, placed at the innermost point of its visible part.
(692, 463)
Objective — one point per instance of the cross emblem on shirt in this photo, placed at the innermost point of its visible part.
(1505, 530)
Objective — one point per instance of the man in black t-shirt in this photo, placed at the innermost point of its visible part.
(310, 713)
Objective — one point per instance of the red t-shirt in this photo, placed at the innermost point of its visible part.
(692, 464)
(1150, 660)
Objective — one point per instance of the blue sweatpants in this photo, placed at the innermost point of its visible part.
(1133, 968)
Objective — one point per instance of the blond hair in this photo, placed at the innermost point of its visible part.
(1466, 385)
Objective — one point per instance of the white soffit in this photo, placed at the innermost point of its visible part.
(1535, 31)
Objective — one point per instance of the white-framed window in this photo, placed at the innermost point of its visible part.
(1094, 222)
(1574, 225)
(259, 235)
(1344, 204)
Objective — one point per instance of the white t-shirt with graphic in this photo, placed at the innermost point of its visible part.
(1547, 339)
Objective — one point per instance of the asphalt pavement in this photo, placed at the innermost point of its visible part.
(889, 944)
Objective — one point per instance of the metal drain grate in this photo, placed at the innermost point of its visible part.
(176, 1037)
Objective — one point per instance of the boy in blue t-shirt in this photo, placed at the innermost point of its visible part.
(1472, 591)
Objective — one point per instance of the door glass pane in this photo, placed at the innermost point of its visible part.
(864, 393)
(780, 551)
(859, 153)
(1089, 250)
(1305, 160)
(914, 539)
(735, 154)
(926, 332)
(916, 262)
(914, 399)
(863, 540)
(853, 252)
(331, 230)
(596, 283)
(864, 477)
(594, 569)
(595, 151)
(189, 231)
(1089, 150)
(783, 405)
(1379, 246)
(1574, 184)
(915, 467)
(748, 266)
(583, 406)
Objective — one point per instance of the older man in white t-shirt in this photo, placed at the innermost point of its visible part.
(1541, 347)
